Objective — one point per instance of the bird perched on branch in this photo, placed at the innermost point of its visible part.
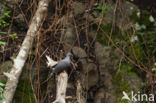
(62, 65)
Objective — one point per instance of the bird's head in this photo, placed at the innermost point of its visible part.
(69, 55)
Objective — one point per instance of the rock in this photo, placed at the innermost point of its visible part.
(134, 82)
(88, 67)
(92, 33)
(4, 6)
(128, 9)
(99, 96)
(92, 78)
(83, 61)
(78, 8)
(90, 75)
(107, 80)
(19, 18)
(68, 36)
(110, 97)
(5, 67)
(20, 23)
(102, 53)
(79, 52)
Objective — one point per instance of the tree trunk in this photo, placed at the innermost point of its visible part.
(19, 61)
(61, 87)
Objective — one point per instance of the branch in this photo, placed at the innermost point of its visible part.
(61, 87)
(80, 97)
(19, 61)
(62, 80)
(50, 62)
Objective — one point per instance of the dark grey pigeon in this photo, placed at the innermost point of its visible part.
(62, 65)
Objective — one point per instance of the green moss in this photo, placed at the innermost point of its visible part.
(138, 50)
(24, 93)
(121, 82)
(106, 30)
(143, 19)
(121, 85)
(134, 16)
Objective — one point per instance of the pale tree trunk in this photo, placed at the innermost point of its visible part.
(62, 80)
(19, 61)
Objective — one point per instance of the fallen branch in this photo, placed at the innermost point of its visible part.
(62, 80)
(19, 61)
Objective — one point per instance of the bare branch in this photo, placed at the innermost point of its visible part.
(80, 98)
(61, 87)
(50, 62)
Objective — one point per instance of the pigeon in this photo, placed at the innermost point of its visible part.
(62, 65)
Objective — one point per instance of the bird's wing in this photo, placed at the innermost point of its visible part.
(61, 66)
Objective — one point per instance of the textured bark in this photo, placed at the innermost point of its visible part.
(19, 61)
(80, 97)
(61, 87)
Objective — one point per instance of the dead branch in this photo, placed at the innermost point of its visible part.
(19, 61)
(61, 87)
(62, 80)
(80, 98)
(50, 62)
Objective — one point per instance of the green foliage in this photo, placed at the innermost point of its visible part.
(141, 17)
(1, 90)
(154, 68)
(101, 8)
(121, 85)
(2, 43)
(4, 22)
(138, 50)
(106, 30)
(145, 30)
(4, 19)
(125, 68)
(101, 36)
(13, 36)
(121, 82)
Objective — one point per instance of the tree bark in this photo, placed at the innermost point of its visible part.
(19, 61)
(80, 97)
(62, 80)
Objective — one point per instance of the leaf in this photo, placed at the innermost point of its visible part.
(132, 74)
(3, 32)
(1, 89)
(1, 84)
(143, 27)
(98, 8)
(153, 52)
(2, 43)
(86, 44)
(154, 69)
(154, 23)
